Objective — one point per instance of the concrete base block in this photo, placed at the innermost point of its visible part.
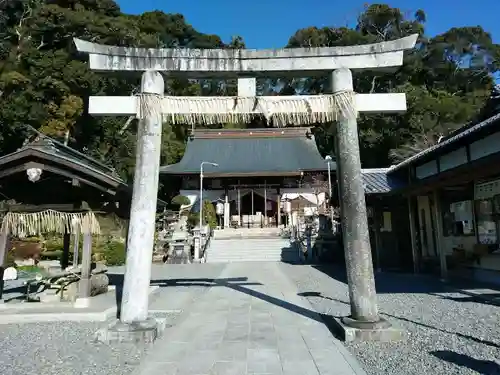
(82, 303)
(351, 330)
(145, 332)
(50, 298)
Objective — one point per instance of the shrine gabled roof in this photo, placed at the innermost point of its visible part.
(47, 149)
(61, 159)
(263, 152)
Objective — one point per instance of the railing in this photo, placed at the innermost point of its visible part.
(205, 243)
(302, 237)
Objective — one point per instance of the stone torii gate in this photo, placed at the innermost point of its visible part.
(152, 108)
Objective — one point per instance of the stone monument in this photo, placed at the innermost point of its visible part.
(341, 106)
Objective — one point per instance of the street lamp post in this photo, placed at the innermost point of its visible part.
(201, 189)
(328, 160)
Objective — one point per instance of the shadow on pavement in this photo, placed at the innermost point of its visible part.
(389, 283)
(462, 360)
(468, 337)
(238, 284)
(385, 282)
(492, 299)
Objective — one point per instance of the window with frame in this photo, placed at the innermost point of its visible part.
(457, 213)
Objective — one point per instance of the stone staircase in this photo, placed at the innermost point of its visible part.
(251, 248)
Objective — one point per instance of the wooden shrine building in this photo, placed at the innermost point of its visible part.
(46, 173)
(45, 176)
(453, 193)
(257, 170)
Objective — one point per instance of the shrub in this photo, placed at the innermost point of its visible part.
(114, 253)
(54, 243)
(9, 259)
(209, 214)
(180, 200)
(51, 255)
(193, 219)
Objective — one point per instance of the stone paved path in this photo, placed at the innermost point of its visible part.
(251, 321)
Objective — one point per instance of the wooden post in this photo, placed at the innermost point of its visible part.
(413, 237)
(4, 236)
(439, 235)
(84, 284)
(76, 247)
(278, 219)
(66, 246)
(377, 209)
(253, 212)
(239, 206)
(265, 204)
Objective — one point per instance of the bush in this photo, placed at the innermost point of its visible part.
(180, 200)
(9, 259)
(193, 219)
(54, 243)
(113, 252)
(209, 214)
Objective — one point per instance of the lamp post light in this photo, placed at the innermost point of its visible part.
(201, 189)
(328, 160)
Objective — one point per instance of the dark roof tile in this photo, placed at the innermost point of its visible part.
(377, 181)
(250, 151)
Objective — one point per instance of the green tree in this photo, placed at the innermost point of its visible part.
(447, 80)
(45, 84)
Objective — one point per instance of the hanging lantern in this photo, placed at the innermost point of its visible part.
(288, 207)
(219, 208)
(34, 174)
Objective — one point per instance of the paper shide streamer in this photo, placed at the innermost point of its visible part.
(23, 225)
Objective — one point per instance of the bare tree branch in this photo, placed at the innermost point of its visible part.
(374, 80)
(41, 44)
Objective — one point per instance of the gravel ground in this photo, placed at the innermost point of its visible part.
(62, 348)
(68, 348)
(449, 332)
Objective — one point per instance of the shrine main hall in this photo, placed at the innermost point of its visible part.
(258, 173)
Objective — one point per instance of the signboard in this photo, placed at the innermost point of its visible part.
(219, 208)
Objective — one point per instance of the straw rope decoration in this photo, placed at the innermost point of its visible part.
(49, 221)
(148, 105)
(279, 111)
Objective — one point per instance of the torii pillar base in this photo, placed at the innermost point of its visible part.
(350, 330)
(143, 332)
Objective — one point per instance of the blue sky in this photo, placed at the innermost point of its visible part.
(270, 23)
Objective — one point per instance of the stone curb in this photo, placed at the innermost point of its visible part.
(47, 317)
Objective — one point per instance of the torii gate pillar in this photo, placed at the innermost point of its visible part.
(140, 237)
(362, 294)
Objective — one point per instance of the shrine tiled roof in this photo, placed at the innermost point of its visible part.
(464, 134)
(60, 158)
(377, 181)
(264, 152)
(51, 152)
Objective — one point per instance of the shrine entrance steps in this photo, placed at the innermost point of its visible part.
(250, 245)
